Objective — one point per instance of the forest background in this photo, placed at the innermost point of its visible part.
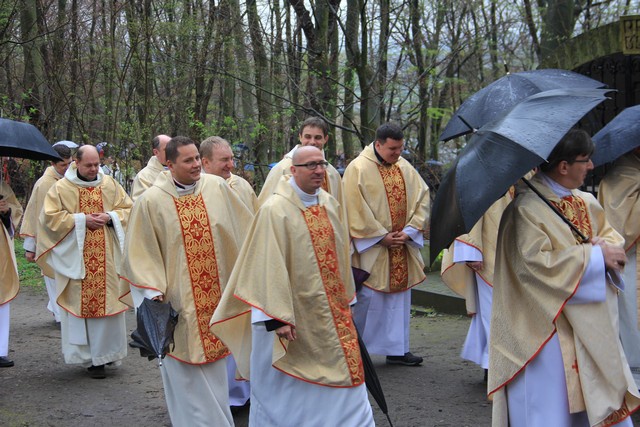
(251, 71)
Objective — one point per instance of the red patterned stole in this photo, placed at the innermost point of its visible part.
(575, 210)
(324, 245)
(397, 199)
(94, 285)
(203, 269)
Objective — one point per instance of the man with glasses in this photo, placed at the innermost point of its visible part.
(313, 132)
(388, 209)
(288, 301)
(556, 357)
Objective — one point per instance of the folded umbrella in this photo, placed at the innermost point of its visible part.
(492, 101)
(619, 136)
(156, 322)
(499, 154)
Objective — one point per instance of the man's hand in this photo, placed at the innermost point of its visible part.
(287, 332)
(30, 256)
(475, 265)
(97, 220)
(614, 256)
(4, 206)
(395, 239)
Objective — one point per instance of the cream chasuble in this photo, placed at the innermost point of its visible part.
(10, 284)
(29, 226)
(381, 199)
(539, 266)
(85, 261)
(332, 181)
(244, 190)
(304, 281)
(145, 178)
(184, 247)
(619, 194)
(483, 236)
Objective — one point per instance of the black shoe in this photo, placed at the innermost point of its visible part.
(97, 372)
(408, 360)
(5, 363)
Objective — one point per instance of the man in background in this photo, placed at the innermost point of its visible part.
(313, 132)
(29, 226)
(156, 164)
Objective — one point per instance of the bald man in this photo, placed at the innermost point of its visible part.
(80, 236)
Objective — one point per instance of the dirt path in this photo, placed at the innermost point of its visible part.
(42, 391)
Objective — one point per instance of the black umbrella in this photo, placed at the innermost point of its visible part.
(499, 154)
(19, 139)
(156, 322)
(371, 379)
(491, 102)
(619, 136)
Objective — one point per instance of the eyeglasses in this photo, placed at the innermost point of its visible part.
(582, 161)
(314, 165)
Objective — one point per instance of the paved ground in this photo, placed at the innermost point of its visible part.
(42, 391)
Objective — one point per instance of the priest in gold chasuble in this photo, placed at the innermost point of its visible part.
(80, 236)
(285, 314)
(556, 357)
(217, 159)
(388, 211)
(10, 214)
(183, 238)
(619, 194)
(313, 132)
(29, 226)
(467, 268)
(146, 176)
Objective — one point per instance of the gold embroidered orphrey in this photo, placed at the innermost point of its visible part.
(94, 284)
(575, 210)
(324, 245)
(397, 199)
(203, 269)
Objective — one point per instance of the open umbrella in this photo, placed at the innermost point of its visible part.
(19, 139)
(156, 322)
(499, 154)
(66, 143)
(619, 136)
(489, 103)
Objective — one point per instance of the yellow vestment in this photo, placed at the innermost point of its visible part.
(381, 199)
(244, 190)
(460, 278)
(10, 282)
(619, 194)
(539, 266)
(95, 290)
(294, 266)
(145, 178)
(332, 183)
(29, 226)
(184, 247)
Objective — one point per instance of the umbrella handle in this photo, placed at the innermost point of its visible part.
(557, 211)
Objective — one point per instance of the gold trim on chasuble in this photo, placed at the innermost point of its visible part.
(575, 210)
(94, 285)
(203, 269)
(397, 199)
(325, 182)
(324, 245)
